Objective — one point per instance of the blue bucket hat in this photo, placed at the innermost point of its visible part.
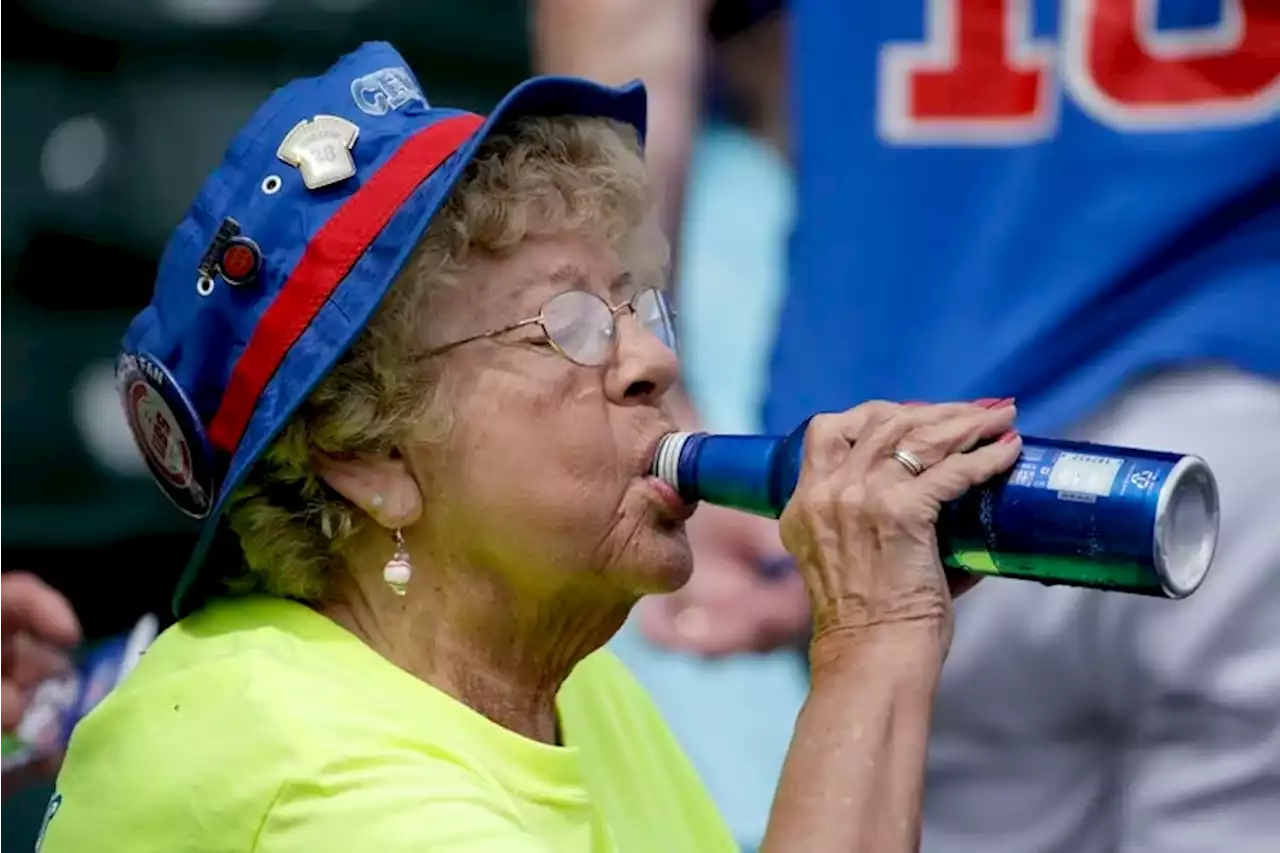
(285, 255)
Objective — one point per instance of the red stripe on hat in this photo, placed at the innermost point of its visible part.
(324, 264)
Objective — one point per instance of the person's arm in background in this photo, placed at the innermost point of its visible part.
(37, 623)
(663, 43)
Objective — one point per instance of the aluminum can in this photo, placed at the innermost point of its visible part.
(1068, 512)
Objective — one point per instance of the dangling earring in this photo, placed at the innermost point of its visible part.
(399, 568)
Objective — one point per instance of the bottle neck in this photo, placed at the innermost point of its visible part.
(735, 471)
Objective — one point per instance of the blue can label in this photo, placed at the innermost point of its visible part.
(1083, 477)
(1069, 512)
(1080, 477)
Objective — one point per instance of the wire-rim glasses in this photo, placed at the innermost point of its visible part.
(583, 327)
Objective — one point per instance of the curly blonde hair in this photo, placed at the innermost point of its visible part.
(538, 177)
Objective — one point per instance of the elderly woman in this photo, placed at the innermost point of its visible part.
(415, 364)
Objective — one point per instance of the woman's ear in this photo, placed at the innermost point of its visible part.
(383, 488)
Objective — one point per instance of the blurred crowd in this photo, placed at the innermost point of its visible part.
(1137, 299)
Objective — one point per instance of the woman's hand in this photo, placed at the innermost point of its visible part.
(861, 525)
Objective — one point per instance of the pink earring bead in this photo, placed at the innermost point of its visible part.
(396, 574)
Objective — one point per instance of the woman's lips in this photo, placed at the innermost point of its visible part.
(670, 499)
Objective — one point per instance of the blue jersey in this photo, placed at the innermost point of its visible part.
(1032, 199)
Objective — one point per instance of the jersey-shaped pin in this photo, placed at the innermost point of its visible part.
(320, 148)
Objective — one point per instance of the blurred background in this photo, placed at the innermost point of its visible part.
(113, 113)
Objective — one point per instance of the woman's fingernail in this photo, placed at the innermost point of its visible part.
(994, 402)
(1009, 436)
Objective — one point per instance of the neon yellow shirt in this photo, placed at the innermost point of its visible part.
(259, 725)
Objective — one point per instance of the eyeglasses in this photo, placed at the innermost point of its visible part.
(583, 328)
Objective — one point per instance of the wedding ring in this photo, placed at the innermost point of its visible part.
(909, 461)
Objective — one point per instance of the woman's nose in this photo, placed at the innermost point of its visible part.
(644, 368)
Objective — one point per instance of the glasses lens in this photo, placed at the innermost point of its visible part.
(654, 314)
(581, 325)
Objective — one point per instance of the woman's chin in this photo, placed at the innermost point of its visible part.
(667, 564)
(675, 573)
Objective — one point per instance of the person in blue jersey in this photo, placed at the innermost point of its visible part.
(1075, 203)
